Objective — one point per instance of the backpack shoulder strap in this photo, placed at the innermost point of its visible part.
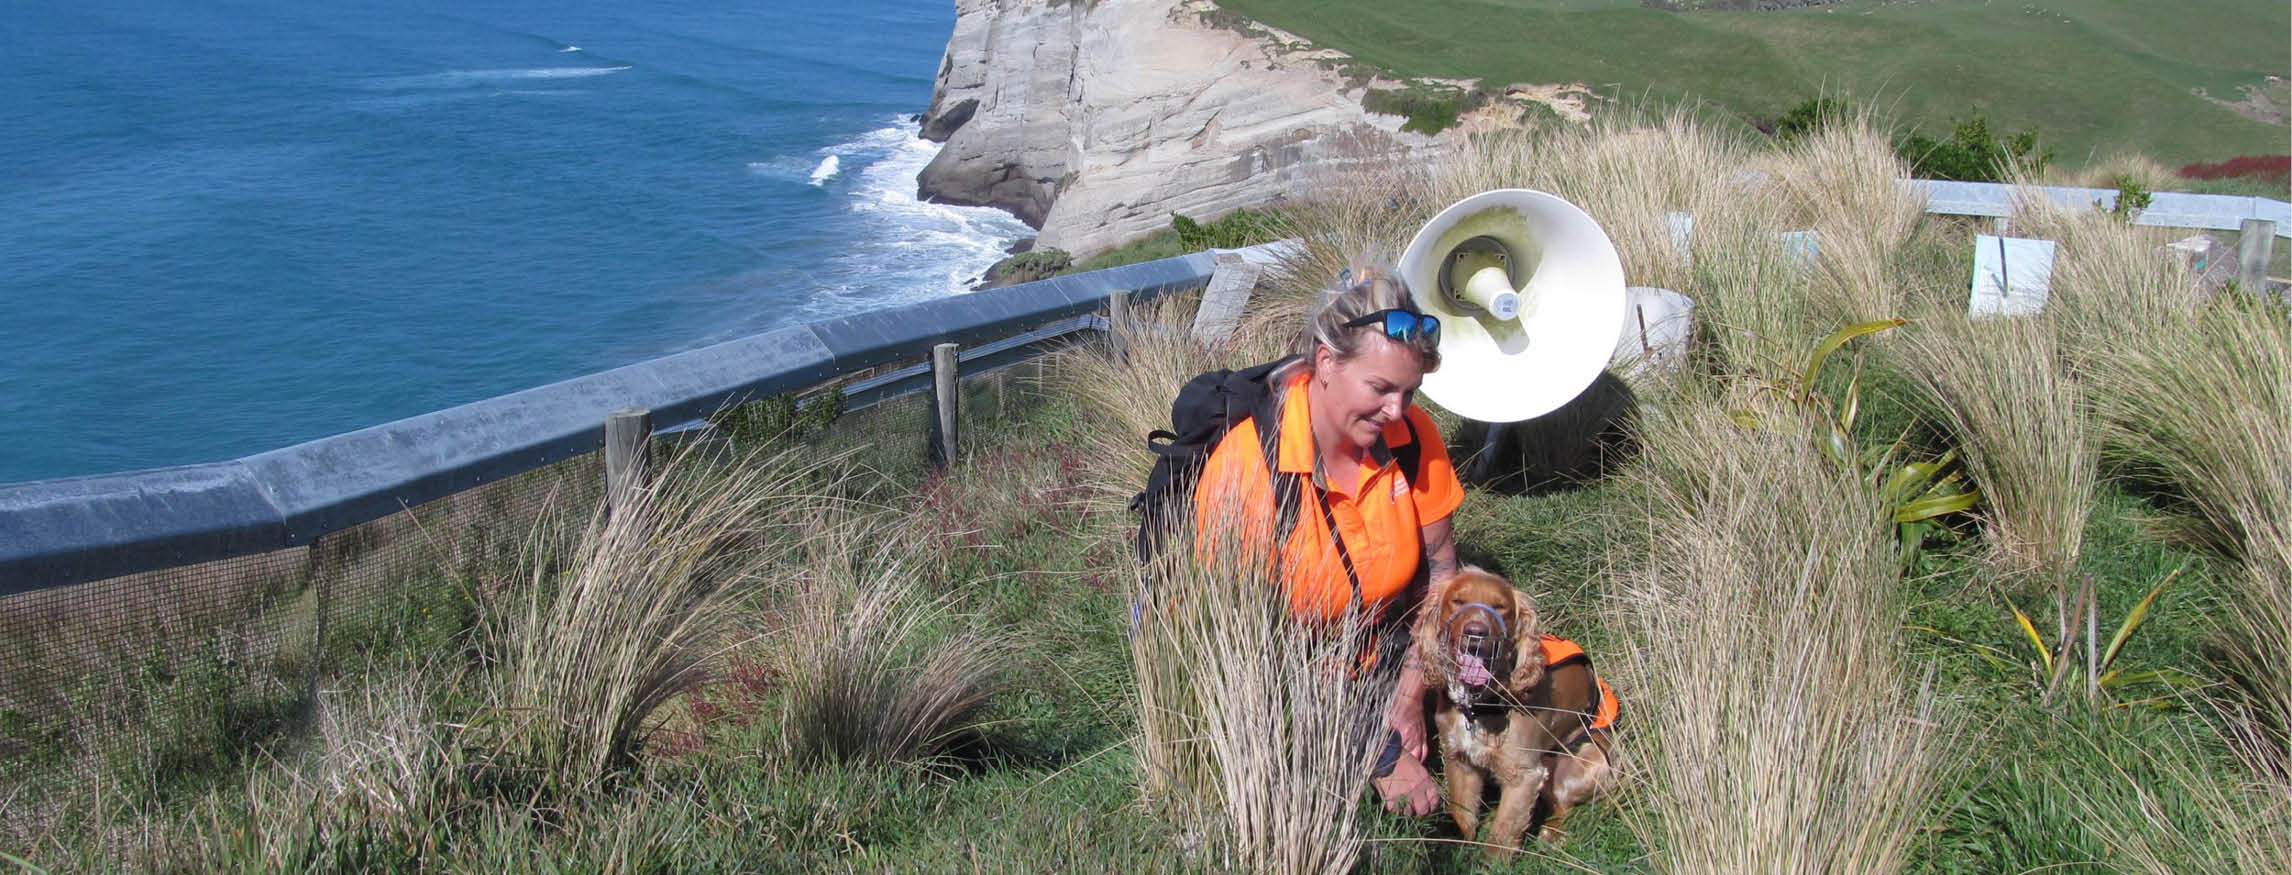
(1286, 485)
(1411, 455)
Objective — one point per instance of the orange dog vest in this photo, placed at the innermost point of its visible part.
(1558, 650)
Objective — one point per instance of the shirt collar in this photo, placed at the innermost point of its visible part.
(1296, 454)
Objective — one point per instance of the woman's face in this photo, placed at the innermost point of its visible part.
(1354, 399)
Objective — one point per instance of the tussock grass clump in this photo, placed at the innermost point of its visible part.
(2205, 410)
(1777, 723)
(877, 668)
(1255, 731)
(2018, 416)
(1843, 183)
(2111, 287)
(1628, 171)
(1258, 732)
(2126, 168)
(628, 620)
(2161, 808)
(1128, 396)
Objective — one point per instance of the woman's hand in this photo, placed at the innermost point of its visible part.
(1409, 788)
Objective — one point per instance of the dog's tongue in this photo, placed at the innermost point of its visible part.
(1472, 670)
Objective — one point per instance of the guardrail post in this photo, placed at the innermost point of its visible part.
(628, 453)
(1117, 322)
(945, 404)
(2255, 246)
(1223, 301)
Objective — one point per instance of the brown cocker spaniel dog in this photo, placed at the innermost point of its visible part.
(1503, 714)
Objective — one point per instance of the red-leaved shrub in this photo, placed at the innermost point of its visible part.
(2277, 168)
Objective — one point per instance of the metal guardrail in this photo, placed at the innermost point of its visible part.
(61, 532)
(2166, 209)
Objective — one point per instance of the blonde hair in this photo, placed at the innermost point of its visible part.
(1358, 292)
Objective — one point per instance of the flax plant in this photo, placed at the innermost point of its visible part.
(878, 668)
(1257, 731)
(630, 619)
(1778, 726)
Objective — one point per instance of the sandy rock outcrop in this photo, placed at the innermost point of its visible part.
(1096, 121)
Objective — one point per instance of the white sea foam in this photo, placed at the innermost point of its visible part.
(464, 78)
(920, 250)
(568, 49)
(826, 170)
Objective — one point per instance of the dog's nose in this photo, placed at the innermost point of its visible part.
(1475, 630)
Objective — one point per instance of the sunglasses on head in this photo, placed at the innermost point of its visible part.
(1402, 325)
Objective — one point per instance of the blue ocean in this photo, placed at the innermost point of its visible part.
(227, 227)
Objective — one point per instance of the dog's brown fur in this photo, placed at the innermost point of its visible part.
(1535, 746)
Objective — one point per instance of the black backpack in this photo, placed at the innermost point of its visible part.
(1207, 407)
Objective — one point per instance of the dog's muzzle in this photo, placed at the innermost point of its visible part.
(1480, 641)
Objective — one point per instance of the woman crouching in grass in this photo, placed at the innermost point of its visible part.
(1373, 491)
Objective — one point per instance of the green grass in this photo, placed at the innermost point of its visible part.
(1051, 780)
(2115, 76)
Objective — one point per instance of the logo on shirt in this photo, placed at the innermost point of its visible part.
(1400, 486)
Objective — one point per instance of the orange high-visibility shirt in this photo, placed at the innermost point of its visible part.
(1381, 521)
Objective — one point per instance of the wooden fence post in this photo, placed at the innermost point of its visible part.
(946, 400)
(1117, 322)
(2255, 246)
(1223, 300)
(628, 453)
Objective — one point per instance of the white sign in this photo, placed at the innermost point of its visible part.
(2012, 276)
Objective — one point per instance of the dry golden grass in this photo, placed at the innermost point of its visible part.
(1843, 183)
(878, 668)
(2205, 409)
(1128, 397)
(1253, 739)
(2018, 417)
(628, 619)
(2109, 172)
(1777, 726)
(1257, 732)
(2163, 812)
(2110, 287)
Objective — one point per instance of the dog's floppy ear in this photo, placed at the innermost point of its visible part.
(1527, 642)
(1431, 634)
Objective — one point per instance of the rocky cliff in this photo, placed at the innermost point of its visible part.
(1096, 121)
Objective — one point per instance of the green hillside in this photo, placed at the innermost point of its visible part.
(2095, 77)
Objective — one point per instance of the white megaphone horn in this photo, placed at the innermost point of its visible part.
(1530, 297)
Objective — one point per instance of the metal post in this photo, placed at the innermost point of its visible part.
(945, 403)
(2255, 246)
(628, 453)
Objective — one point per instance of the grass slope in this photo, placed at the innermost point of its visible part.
(2095, 77)
(1795, 697)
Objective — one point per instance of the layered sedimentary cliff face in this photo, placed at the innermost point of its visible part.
(1096, 121)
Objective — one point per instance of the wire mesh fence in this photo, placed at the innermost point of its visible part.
(161, 663)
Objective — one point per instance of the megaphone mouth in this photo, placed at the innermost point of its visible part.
(1482, 276)
(1532, 297)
